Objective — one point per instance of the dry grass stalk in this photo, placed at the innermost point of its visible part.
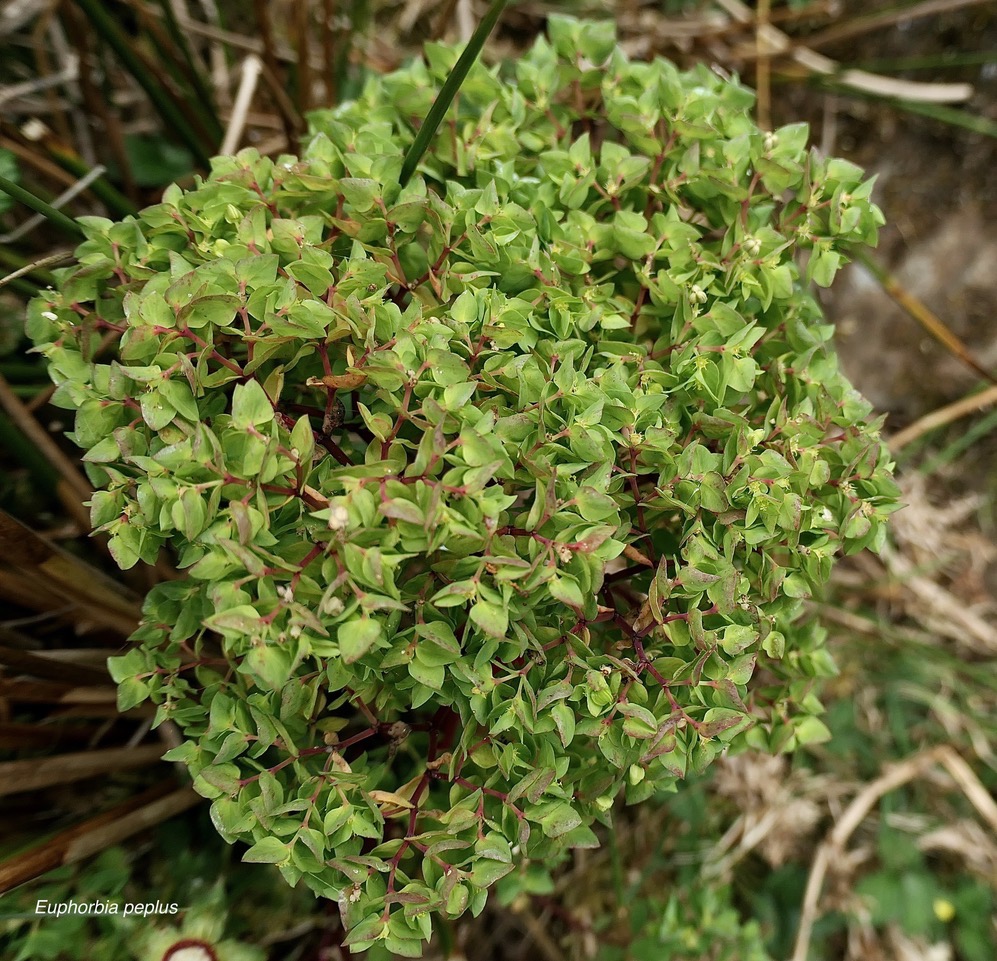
(44, 665)
(968, 841)
(92, 836)
(925, 317)
(28, 560)
(35, 161)
(35, 773)
(272, 71)
(39, 437)
(963, 407)
(856, 26)
(833, 846)
(778, 806)
(252, 66)
(303, 29)
(60, 257)
(22, 691)
(942, 610)
(20, 737)
(769, 41)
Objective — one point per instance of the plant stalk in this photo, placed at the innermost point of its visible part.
(449, 90)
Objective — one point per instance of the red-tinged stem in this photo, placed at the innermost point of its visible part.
(308, 752)
(355, 739)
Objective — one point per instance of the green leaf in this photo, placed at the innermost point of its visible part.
(823, 266)
(270, 664)
(403, 510)
(303, 439)
(268, 851)
(432, 675)
(243, 619)
(485, 873)
(811, 730)
(721, 722)
(774, 644)
(157, 411)
(564, 719)
(131, 693)
(189, 513)
(357, 636)
(491, 618)
(360, 193)
(564, 588)
(250, 405)
(638, 721)
(737, 638)
(559, 820)
(465, 308)
(796, 586)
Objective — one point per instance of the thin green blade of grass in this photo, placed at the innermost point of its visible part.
(949, 115)
(22, 286)
(449, 90)
(105, 26)
(344, 86)
(203, 88)
(273, 73)
(962, 444)
(172, 60)
(56, 217)
(945, 60)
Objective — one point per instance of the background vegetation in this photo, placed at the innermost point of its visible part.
(881, 843)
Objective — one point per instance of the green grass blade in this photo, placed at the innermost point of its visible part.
(936, 111)
(53, 216)
(951, 115)
(345, 85)
(449, 90)
(936, 61)
(26, 288)
(962, 444)
(202, 87)
(105, 26)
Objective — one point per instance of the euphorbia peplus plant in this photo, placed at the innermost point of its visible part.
(496, 493)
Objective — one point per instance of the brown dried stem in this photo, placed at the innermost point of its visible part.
(832, 849)
(94, 835)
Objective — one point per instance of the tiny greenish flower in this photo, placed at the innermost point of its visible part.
(479, 456)
(333, 606)
(339, 518)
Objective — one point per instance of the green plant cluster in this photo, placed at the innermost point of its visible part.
(702, 924)
(496, 493)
